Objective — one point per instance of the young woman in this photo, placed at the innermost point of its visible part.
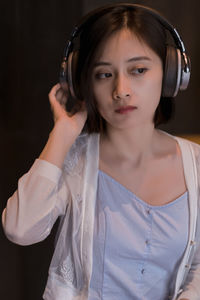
(126, 192)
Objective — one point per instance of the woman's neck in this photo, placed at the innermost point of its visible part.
(129, 145)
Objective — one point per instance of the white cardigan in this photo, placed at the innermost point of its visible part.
(46, 192)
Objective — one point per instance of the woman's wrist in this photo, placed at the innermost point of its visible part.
(64, 130)
(60, 141)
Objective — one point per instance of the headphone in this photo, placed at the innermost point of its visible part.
(176, 74)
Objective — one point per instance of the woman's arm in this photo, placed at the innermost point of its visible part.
(65, 131)
(40, 198)
(33, 209)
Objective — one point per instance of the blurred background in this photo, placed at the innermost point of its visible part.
(33, 36)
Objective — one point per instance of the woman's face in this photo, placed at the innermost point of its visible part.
(127, 81)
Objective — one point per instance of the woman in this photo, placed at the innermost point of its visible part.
(125, 191)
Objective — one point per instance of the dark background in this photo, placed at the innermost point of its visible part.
(33, 35)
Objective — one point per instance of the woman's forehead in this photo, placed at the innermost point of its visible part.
(123, 43)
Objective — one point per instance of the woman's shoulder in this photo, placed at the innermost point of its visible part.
(192, 142)
(184, 140)
(76, 156)
(82, 141)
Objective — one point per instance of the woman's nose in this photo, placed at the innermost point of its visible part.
(122, 89)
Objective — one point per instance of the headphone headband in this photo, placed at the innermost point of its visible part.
(108, 7)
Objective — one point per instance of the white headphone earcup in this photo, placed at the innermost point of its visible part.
(185, 78)
(175, 77)
(69, 74)
(172, 72)
(71, 71)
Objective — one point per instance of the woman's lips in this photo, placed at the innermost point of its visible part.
(125, 109)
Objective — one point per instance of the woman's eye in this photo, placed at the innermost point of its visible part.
(103, 75)
(139, 70)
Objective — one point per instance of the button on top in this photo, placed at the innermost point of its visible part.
(187, 266)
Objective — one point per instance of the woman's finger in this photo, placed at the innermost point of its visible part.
(54, 90)
(61, 97)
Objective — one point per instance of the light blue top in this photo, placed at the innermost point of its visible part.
(137, 247)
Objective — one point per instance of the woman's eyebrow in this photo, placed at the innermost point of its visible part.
(132, 59)
(139, 58)
(101, 63)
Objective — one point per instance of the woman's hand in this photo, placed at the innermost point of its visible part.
(58, 101)
(66, 128)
